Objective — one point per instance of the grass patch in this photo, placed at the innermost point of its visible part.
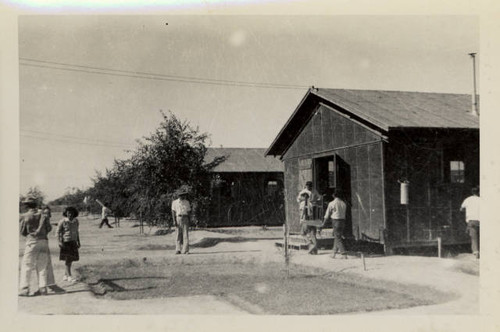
(265, 287)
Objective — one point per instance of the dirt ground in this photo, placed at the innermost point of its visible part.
(453, 275)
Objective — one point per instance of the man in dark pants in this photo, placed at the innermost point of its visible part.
(336, 211)
(181, 216)
(471, 207)
(104, 215)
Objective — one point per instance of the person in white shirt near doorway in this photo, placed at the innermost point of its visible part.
(315, 200)
(336, 211)
(471, 207)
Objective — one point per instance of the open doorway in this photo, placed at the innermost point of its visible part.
(325, 179)
(332, 173)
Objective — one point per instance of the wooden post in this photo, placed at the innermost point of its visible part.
(140, 224)
(287, 253)
(429, 209)
(439, 246)
(363, 258)
(285, 240)
(407, 223)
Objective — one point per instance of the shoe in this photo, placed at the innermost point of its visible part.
(186, 253)
(72, 280)
(54, 289)
(36, 293)
(24, 292)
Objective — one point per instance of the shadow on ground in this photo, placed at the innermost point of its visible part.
(204, 243)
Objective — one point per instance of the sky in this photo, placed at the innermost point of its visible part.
(87, 90)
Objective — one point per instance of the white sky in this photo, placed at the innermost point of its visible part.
(59, 107)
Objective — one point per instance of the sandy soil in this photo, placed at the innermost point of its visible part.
(125, 242)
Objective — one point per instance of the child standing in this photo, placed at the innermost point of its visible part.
(69, 240)
(308, 232)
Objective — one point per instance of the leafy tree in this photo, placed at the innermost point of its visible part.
(113, 189)
(145, 184)
(72, 197)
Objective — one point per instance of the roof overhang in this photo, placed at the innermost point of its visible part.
(301, 116)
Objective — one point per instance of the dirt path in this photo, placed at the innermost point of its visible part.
(101, 245)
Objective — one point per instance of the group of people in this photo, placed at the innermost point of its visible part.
(35, 226)
(309, 200)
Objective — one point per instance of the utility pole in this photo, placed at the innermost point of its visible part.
(475, 104)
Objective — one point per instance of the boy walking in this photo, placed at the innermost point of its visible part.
(105, 213)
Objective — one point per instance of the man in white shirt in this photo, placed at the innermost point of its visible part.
(471, 207)
(314, 198)
(336, 211)
(181, 215)
(105, 213)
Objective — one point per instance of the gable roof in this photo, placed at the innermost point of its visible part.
(243, 160)
(383, 111)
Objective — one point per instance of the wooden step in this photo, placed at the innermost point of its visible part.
(298, 242)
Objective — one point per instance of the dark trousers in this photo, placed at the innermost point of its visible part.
(473, 229)
(105, 222)
(182, 234)
(338, 231)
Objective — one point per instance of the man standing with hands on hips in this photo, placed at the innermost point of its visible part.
(336, 211)
(181, 215)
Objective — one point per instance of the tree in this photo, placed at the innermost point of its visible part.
(113, 189)
(145, 184)
(72, 197)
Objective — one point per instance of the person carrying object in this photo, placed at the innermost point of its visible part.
(35, 227)
(307, 231)
(336, 212)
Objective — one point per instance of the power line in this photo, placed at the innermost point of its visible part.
(76, 141)
(145, 75)
(164, 75)
(74, 137)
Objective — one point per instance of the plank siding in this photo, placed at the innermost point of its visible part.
(421, 157)
(328, 131)
(291, 191)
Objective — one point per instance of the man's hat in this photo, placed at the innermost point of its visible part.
(183, 190)
(29, 200)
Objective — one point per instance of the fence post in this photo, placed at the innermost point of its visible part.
(439, 246)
